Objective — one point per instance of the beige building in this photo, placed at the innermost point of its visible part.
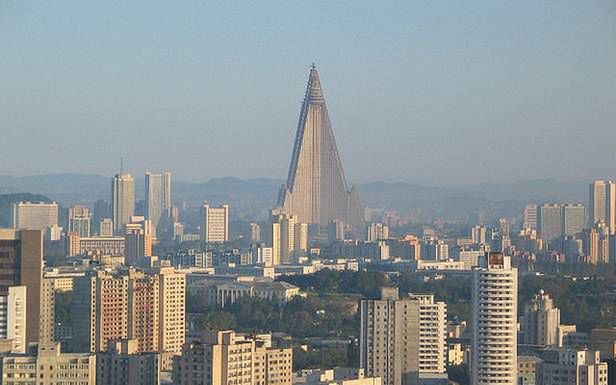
(48, 304)
(376, 232)
(336, 376)
(79, 220)
(34, 216)
(113, 246)
(21, 264)
(571, 367)
(147, 306)
(527, 370)
(596, 244)
(399, 342)
(604, 341)
(224, 357)
(105, 228)
(138, 240)
(602, 204)
(289, 239)
(123, 364)
(494, 321)
(122, 201)
(215, 223)
(45, 364)
(540, 321)
(316, 190)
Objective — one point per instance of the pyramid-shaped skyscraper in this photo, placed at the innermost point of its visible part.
(316, 190)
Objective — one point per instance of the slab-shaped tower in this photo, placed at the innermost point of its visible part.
(316, 189)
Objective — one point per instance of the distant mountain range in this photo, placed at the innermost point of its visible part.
(254, 197)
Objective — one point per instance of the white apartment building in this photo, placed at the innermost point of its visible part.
(13, 318)
(494, 321)
(215, 223)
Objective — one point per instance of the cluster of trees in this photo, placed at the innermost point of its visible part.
(330, 308)
(366, 283)
(585, 302)
(324, 358)
(300, 317)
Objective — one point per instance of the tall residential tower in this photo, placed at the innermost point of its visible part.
(157, 196)
(122, 200)
(495, 298)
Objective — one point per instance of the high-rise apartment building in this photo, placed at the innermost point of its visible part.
(255, 232)
(549, 221)
(21, 264)
(105, 227)
(530, 217)
(289, 238)
(432, 333)
(434, 250)
(157, 196)
(138, 240)
(602, 204)
(316, 190)
(574, 218)
(224, 357)
(571, 367)
(335, 231)
(122, 200)
(398, 340)
(596, 244)
(13, 321)
(79, 220)
(147, 306)
(494, 321)
(215, 223)
(479, 235)
(34, 216)
(541, 321)
(47, 322)
(376, 232)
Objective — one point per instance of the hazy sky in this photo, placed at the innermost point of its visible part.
(431, 92)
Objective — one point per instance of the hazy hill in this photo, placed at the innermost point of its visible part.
(254, 197)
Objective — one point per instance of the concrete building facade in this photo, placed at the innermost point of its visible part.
(494, 321)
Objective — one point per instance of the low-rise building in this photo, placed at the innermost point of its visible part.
(527, 369)
(45, 364)
(224, 357)
(221, 292)
(123, 364)
(336, 376)
(604, 340)
(571, 367)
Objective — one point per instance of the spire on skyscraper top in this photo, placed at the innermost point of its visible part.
(314, 93)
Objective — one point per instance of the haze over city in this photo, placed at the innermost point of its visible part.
(429, 93)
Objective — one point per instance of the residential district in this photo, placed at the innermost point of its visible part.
(323, 291)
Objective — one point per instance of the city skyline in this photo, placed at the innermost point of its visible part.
(436, 90)
(448, 215)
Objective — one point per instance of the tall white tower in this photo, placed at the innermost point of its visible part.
(122, 200)
(495, 298)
